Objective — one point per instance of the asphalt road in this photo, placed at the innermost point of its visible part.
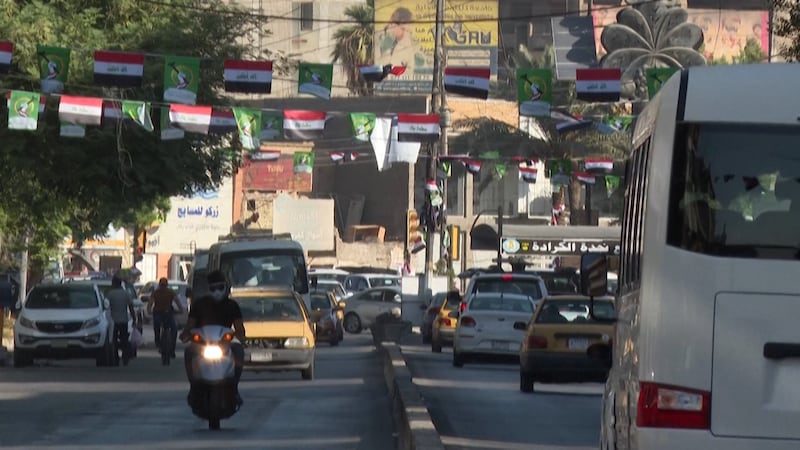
(480, 406)
(74, 405)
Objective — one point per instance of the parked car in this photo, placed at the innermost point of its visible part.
(444, 327)
(431, 311)
(560, 337)
(363, 281)
(105, 285)
(363, 308)
(64, 321)
(492, 324)
(280, 329)
(181, 289)
(330, 327)
(337, 275)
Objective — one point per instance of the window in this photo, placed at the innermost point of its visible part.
(736, 191)
(500, 303)
(634, 215)
(320, 302)
(260, 268)
(306, 16)
(63, 297)
(270, 309)
(576, 311)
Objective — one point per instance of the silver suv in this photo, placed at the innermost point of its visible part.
(63, 321)
(529, 285)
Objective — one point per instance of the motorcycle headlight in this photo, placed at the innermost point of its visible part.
(212, 352)
(296, 342)
(27, 323)
(93, 322)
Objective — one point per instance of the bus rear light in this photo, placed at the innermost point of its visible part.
(507, 277)
(537, 342)
(462, 306)
(664, 406)
(468, 322)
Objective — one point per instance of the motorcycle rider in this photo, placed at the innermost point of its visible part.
(215, 308)
(163, 304)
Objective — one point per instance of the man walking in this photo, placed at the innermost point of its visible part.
(121, 305)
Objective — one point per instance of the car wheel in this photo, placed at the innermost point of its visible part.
(308, 374)
(436, 346)
(352, 323)
(22, 358)
(525, 382)
(458, 359)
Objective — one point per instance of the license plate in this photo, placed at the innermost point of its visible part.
(59, 344)
(578, 343)
(261, 357)
(500, 345)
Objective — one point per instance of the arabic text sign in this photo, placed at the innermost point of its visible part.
(276, 176)
(515, 246)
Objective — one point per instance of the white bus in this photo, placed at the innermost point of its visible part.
(707, 347)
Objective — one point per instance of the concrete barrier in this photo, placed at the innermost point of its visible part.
(413, 423)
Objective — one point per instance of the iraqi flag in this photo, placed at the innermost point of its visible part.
(583, 177)
(6, 52)
(598, 165)
(120, 69)
(418, 127)
(302, 125)
(528, 174)
(598, 85)
(265, 155)
(467, 81)
(80, 110)
(376, 74)
(190, 118)
(222, 121)
(337, 157)
(254, 77)
(112, 112)
(473, 166)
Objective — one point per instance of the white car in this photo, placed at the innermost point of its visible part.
(329, 274)
(363, 308)
(63, 321)
(362, 281)
(492, 324)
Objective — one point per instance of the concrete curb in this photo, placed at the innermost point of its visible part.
(414, 426)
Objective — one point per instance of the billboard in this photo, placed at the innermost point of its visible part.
(404, 35)
(275, 175)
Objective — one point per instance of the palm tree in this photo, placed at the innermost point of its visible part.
(354, 46)
(648, 35)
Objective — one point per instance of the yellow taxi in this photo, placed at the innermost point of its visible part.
(280, 330)
(443, 328)
(559, 338)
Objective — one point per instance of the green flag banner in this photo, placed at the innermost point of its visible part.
(619, 123)
(315, 79)
(248, 122)
(447, 168)
(23, 110)
(181, 78)
(53, 68)
(535, 92)
(363, 123)
(271, 125)
(500, 169)
(138, 113)
(168, 132)
(612, 184)
(490, 155)
(303, 162)
(559, 170)
(657, 77)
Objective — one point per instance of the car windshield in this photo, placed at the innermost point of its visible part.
(573, 311)
(336, 288)
(501, 303)
(62, 297)
(261, 268)
(726, 202)
(320, 301)
(529, 287)
(559, 282)
(384, 281)
(256, 309)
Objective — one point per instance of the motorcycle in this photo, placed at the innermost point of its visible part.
(213, 395)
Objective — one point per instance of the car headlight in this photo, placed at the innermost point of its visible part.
(212, 352)
(27, 323)
(296, 342)
(92, 322)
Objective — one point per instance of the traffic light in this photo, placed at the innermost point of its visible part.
(413, 232)
(141, 242)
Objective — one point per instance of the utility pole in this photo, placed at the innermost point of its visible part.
(437, 92)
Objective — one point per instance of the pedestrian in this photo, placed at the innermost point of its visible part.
(121, 305)
(163, 305)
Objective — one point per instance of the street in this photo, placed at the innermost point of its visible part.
(74, 405)
(480, 406)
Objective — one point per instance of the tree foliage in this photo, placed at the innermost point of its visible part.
(116, 174)
(787, 26)
(751, 53)
(354, 46)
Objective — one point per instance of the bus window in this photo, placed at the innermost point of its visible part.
(265, 268)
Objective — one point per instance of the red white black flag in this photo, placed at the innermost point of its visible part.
(467, 81)
(119, 69)
(598, 85)
(376, 74)
(303, 125)
(418, 127)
